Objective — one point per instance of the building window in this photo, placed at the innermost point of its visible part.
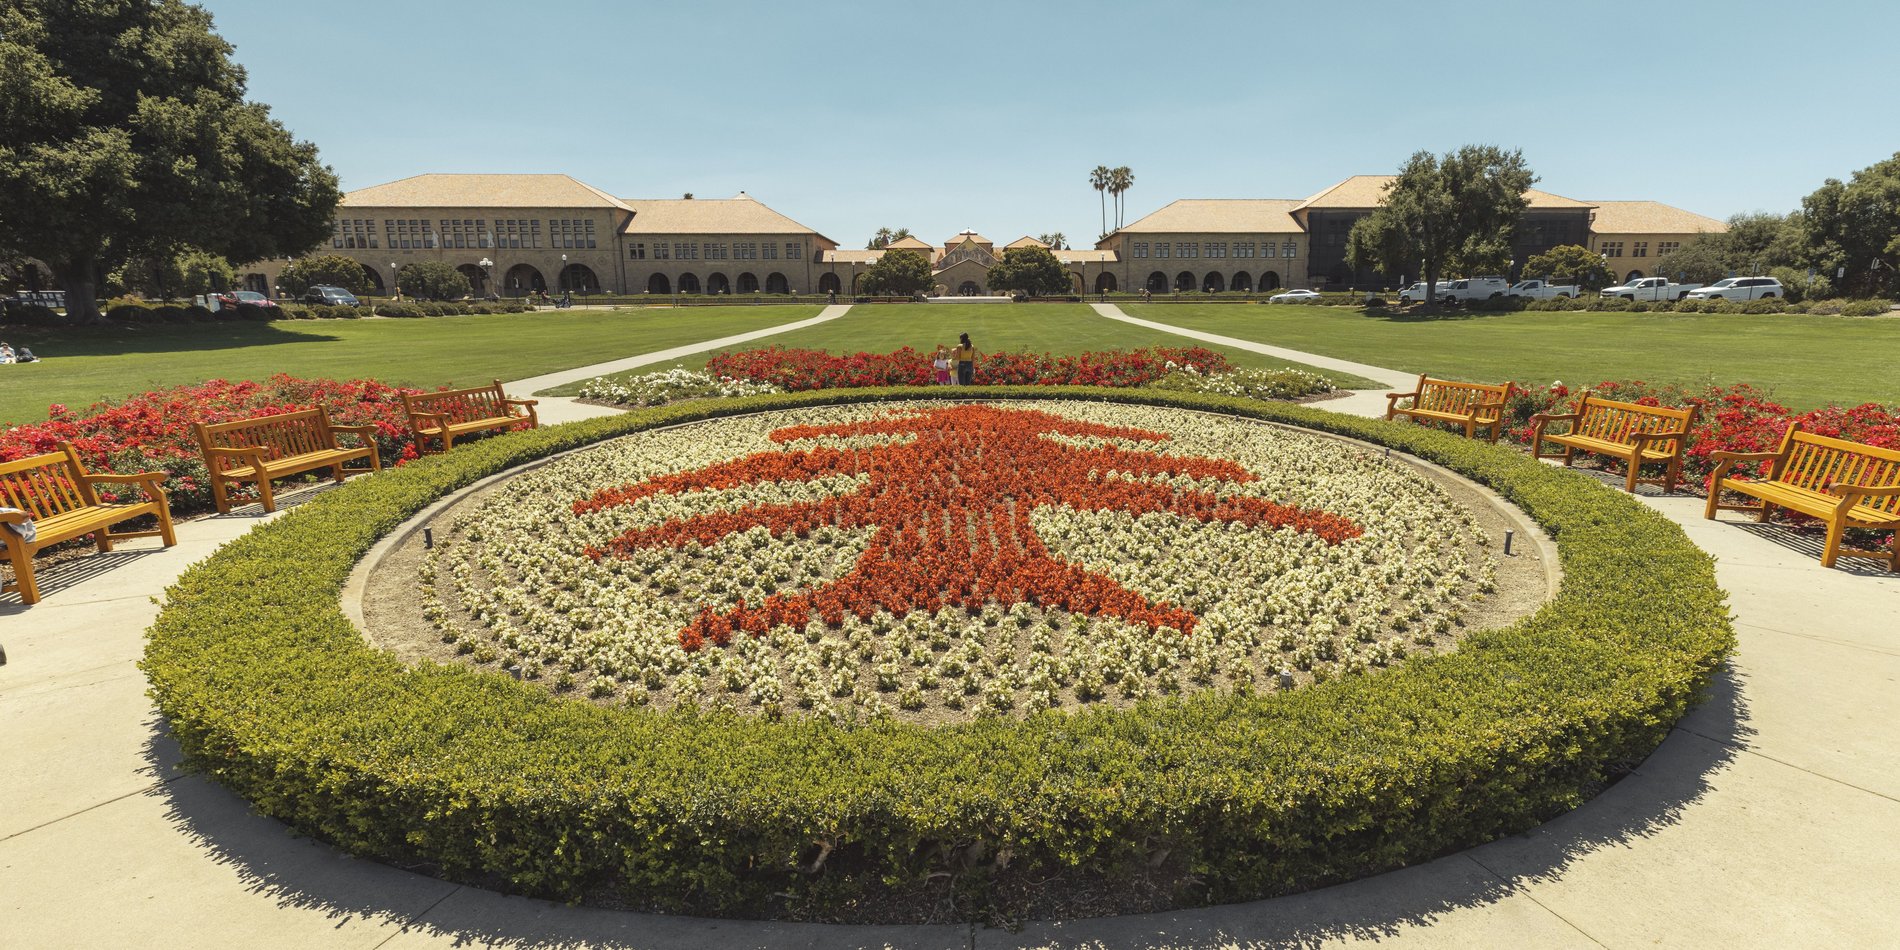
(1639, 249)
(1244, 248)
(1289, 250)
(1217, 249)
(1613, 248)
(636, 252)
(1187, 249)
(659, 250)
(715, 252)
(1141, 248)
(685, 251)
(771, 250)
(1664, 248)
(794, 250)
(1161, 249)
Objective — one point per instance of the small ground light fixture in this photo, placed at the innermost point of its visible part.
(1508, 537)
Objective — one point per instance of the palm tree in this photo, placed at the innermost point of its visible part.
(1100, 179)
(1120, 180)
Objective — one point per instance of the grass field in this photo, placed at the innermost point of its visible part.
(1803, 361)
(1037, 328)
(85, 365)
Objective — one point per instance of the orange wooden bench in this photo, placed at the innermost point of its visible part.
(453, 413)
(55, 493)
(267, 447)
(1472, 405)
(1637, 434)
(1845, 484)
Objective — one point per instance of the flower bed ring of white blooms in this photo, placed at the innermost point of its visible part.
(507, 586)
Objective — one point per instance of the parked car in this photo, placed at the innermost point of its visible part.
(1416, 292)
(235, 297)
(1540, 290)
(1740, 288)
(1474, 288)
(1650, 288)
(330, 296)
(1294, 296)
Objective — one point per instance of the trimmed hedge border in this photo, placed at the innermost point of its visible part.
(271, 691)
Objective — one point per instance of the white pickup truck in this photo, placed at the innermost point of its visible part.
(1473, 288)
(1650, 288)
(1540, 290)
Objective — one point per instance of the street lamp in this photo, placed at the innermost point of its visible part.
(395, 281)
(564, 286)
(488, 275)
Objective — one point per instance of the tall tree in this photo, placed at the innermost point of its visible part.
(433, 280)
(1031, 271)
(1099, 179)
(1853, 229)
(124, 131)
(897, 274)
(1056, 240)
(1120, 179)
(327, 270)
(1460, 210)
(884, 238)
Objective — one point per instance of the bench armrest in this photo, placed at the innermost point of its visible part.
(522, 402)
(1724, 455)
(365, 432)
(221, 450)
(126, 479)
(1557, 417)
(1394, 397)
(1863, 491)
(14, 517)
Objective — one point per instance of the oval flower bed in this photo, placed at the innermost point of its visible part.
(1213, 796)
(952, 561)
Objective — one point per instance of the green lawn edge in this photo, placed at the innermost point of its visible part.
(269, 690)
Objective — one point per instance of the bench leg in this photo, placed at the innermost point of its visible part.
(165, 524)
(22, 561)
(266, 496)
(1766, 511)
(1670, 475)
(102, 539)
(339, 475)
(1832, 552)
(1629, 481)
(220, 495)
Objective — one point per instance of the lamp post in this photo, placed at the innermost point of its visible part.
(395, 281)
(564, 286)
(488, 276)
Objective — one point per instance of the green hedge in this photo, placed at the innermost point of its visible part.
(270, 690)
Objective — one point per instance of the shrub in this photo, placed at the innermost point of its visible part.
(128, 311)
(1247, 383)
(1867, 308)
(198, 314)
(393, 309)
(251, 311)
(267, 687)
(30, 314)
(1766, 305)
(433, 280)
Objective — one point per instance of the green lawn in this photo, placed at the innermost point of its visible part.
(1803, 361)
(84, 365)
(1036, 328)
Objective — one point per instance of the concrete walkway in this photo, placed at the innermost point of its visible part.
(557, 409)
(1358, 402)
(1768, 818)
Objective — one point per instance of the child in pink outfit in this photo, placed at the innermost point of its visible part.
(941, 362)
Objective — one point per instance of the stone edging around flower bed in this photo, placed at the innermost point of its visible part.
(268, 688)
(355, 589)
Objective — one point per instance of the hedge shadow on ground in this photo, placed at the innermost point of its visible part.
(274, 862)
(122, 339)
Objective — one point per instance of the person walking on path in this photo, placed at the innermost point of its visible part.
(965, 356)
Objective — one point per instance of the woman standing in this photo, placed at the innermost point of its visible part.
(965, 355)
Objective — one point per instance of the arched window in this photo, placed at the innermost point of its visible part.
(1183, 282)
(828, 284)
(658, 284)
(579, 279)
(522, 280)
(748, 284)
(1212, 283)
(717, 284)
(1157, 283)
(1243, 283)
(689, 283)
(1270, 281)
(775, 283)
(1105, 283)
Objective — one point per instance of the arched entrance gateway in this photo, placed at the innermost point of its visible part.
(579, 279)
(1183, 282)
(1270, 281)
(1212, 283)
(828, 284)
(522, 280)
(477, 278)
(372, 281)
(689, 283)
(1243, 283)
(1104, 283)
(1157, 283)
(968, 289)
(775, 283)
(658, 284)
(748, 284)
(718, 284)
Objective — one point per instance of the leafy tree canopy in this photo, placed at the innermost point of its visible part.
(124, 131)
(1456, 212)
(1031, 271)
(1056, 240)
(1570, 264)
(897, 274)
(330, 270)
(1701, 261)
(1855, 227)
(187, 273)
(432, 280)
(885, 237)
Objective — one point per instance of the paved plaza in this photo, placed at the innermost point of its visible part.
(1767, 819)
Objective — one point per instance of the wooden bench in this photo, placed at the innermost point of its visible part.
(453, 413)
(55, 492)
(1472, 405)
(1637, 434)
(1845, 484)
(267, 447)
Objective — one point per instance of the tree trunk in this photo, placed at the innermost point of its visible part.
(1104, 196)
(1431, 286)
(80, 280)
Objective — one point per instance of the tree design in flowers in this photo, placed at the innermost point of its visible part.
(950, 499)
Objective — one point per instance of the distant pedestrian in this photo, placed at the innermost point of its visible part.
(965, 355)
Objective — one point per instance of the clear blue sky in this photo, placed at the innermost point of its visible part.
(938, 117)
